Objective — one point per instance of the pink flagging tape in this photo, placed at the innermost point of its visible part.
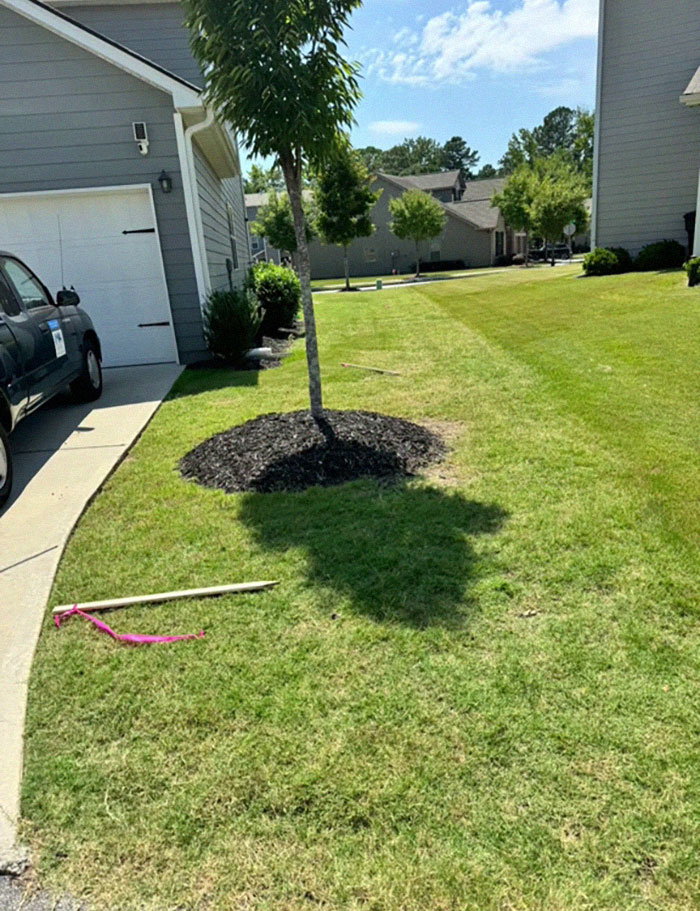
(131, 638)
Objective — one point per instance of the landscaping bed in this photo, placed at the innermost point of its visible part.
(293, 451)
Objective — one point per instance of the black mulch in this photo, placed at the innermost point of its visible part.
(292, 451)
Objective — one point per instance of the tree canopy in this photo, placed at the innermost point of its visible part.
(275, 223)
(564, 133)
(261, 180)
(416, 216)
(422, 155)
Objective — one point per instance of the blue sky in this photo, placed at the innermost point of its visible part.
(480, 69)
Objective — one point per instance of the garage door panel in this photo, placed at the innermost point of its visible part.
(79, 239)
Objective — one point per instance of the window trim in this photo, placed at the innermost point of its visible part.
(23, 307)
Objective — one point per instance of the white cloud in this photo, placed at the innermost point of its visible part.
(453, 45)
(394, 127)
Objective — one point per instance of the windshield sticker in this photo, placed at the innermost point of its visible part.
(58, 340)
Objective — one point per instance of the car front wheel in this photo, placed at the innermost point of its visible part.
(88, 386)
(5, 466)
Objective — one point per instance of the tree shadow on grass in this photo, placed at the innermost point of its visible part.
(401, 552)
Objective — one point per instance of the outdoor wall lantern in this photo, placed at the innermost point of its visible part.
(166, 182)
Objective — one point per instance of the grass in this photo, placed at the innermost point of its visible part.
(332, 284)
(476, 690)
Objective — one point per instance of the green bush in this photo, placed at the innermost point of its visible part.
(232, 321)
(666, 254)
(692, 268)
(279, 294)
(601, 262)
(625, 262)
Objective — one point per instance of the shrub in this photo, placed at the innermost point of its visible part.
(666, 254)
(624, 259)
(692, 268)
(279, 294)
(505, 259)
(601, 262)
(519, 259)
(232, 321)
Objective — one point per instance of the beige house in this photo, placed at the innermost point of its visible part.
(474, 233)
(647, 154)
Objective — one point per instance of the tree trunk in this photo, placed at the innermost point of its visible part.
(417, 261)
(346, 266)
(292, 177)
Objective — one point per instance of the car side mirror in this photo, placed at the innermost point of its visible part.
(67, 298)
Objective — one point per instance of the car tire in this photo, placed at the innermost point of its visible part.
(88, 386)
(5, 466)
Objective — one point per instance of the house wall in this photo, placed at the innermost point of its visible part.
(66, 122)
(649, 143)
(214, 196)
(154, 30)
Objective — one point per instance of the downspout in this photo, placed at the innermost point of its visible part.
(189, 152)
(597, 127)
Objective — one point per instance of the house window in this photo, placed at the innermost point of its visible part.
(370, 255)
(232, 235)
(500, 243)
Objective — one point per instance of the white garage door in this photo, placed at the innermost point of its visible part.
(106, 245)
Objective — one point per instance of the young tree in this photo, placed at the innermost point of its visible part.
(416, 216)
(515, 202)
(344, 199)
(559, 199)
(274, 69)
(276, 223)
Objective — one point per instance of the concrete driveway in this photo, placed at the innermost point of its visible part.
(63, 454)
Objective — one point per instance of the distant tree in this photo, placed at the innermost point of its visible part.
(344, 200)
(414, 156)
(559, 197)
(275, 71)
(275, 223)
(565, 133)
(260, 179)
(373, 158)
(515, 202)
(487, 171)
(457, 156)
(416, 216)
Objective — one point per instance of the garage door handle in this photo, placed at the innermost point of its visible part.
(148, 325)
(141, 231)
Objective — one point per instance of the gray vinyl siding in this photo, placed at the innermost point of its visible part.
(65, 122)
(154, 30)
(214, 195)
(649, 143)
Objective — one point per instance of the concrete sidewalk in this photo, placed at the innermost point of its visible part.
(63, 454)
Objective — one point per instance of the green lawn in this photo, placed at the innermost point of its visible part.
(331, 284)
(504, 714)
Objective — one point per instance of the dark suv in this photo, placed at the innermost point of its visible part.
(45, 345)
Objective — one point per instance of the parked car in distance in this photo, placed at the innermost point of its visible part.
(561, 251)
(46, 345)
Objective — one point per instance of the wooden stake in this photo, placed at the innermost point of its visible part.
(372, 369)
(168, 596)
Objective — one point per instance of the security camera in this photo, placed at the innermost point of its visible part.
(141, 137)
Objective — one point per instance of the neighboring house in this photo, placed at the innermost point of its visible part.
(116, 177)
(260, 249)
(474, 233)
(647, 126)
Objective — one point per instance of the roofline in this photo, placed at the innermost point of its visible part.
(185, 95)
(381, 174)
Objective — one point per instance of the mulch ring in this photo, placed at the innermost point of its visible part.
(292, 451)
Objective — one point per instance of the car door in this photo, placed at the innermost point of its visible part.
(12, 373)
(39, 331)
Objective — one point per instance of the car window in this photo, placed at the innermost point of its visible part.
(8, 302)
(27, 287)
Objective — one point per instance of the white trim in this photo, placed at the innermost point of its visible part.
(189, 187)
(597, 127)
(163, 274)
(183, 95)
(103, 191)
(75, 191)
